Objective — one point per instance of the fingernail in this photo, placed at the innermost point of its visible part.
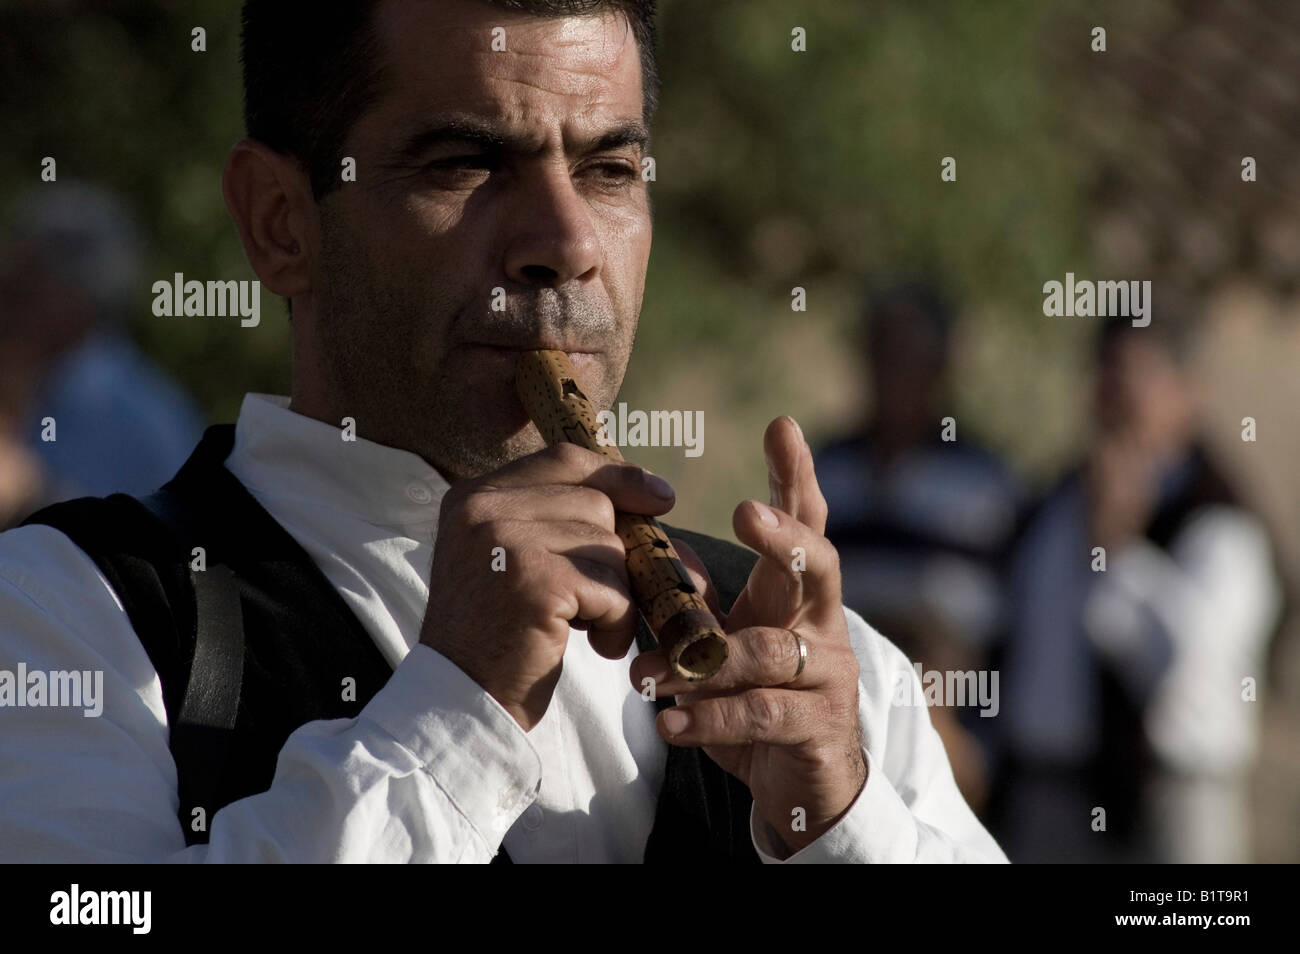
(677, 721)
(766, 515)
(658, 486)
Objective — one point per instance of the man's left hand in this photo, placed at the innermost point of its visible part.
(794, 741)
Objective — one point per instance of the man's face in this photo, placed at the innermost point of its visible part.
(1141, 392)
(907, 374)
(482, 169)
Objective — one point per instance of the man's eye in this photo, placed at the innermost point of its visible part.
(609, 175)
(463, 163)
(614, 173)
(460, 172)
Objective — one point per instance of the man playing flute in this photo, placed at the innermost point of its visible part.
(377, 619)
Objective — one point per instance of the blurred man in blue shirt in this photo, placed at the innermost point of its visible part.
(70, 276)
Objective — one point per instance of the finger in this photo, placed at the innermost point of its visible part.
(653, 665)
(601, 599)
(772, 716)
(631, 488)
(568, 538)
(782, 443)
(813, 509)
(587, 572)
(808, 560)
(757, 657)
(554, 502)
(792, 482)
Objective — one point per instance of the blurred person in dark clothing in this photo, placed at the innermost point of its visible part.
(71, 267)
(1123, 687)
(920, 522)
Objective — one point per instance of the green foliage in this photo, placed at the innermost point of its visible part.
(115, 93)
(774, 169)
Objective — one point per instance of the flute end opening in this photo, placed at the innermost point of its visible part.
(701, 657)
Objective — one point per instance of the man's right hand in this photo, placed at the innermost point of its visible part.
(552, 513)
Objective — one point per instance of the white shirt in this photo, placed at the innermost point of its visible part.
(433, 769)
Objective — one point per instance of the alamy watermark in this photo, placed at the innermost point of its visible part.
(1089, 299)
(57, 688)
(952, 687)
(653, 429)
(214, 299)
(74, 906)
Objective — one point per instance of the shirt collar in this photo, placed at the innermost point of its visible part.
(284, 454)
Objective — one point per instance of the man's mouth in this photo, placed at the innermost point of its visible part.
(508, 355)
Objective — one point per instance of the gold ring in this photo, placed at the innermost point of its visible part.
(803, 653)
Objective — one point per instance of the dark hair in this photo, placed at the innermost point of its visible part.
(313, 67)
(911, 300)
(1177, 328)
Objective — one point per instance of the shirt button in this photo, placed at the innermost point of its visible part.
(533, 818)
(508, 799)
(419, 493)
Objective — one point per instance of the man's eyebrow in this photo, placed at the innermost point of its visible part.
(630, 132)
(477, 132)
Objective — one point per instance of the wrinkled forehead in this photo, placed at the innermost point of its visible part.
(471, 56)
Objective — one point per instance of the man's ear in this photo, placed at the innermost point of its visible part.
(269, 197)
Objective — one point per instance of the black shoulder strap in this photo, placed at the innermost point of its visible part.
(202, 733)
(217, 669)
(192, 628)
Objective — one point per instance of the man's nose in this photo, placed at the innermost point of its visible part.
(553, 239)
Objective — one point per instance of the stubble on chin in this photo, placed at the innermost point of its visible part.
(464, 447)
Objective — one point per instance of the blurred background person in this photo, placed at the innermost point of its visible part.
(22, 485)
(68, 279)
(920, 522)
(1122, 688)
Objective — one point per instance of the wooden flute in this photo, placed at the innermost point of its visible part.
(662, 589)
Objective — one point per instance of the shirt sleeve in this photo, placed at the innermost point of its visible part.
(909, 809)
(431, 770)
(1185, 628)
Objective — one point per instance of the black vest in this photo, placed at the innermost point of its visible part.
(232, 702)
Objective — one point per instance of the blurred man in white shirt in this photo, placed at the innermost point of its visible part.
(1143, 597)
